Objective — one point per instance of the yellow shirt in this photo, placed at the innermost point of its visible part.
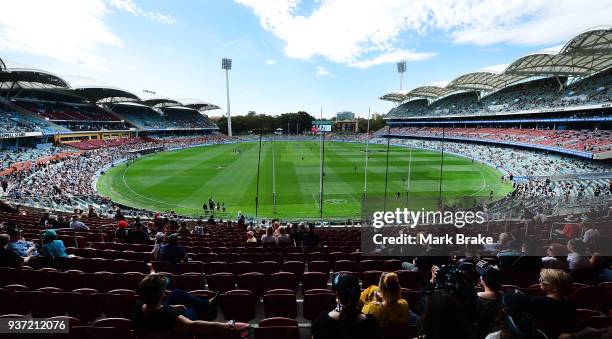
(396, 314)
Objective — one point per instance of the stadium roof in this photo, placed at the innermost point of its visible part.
(105, 94)
(199, 105)
(485, 81)
(160, 102)
(30, 78)
(563, 64)
(398, 96)
(597, 40)
(2, 65)
(585, 54)
(430, 91)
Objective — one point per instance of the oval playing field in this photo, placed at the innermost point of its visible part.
(183, 180)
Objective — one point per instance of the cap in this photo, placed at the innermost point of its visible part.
(122, 224)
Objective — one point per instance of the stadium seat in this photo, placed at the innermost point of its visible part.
(317, 301)
(267, 267)
(238, 305)
(371, 265)
(400, 332)
(280, 302)
(282, 280)
(314, 280)
(241, 267)
(318, 266)
(409, 279)
(254, 282)
(346, 265)
(118, 323)
(189, 281)
(295, 267)
(221, 282)
(589, 297)
(277, 328)
(370, 278)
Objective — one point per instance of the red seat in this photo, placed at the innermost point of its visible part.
(78, 305)
(318, 266)
(189, 281)
(392, 265)
(116, 304)
(267, 267)
(95, 332)
(238, 305)
(241, 267)
(346, 265)
(409, 279)
(371, 265)
(221, 282)
(583, 314)
(40, 304)
(118, 323)
(254, 282)
(295, 267)
(212, 307)
(597, 322)
(317, 301)
(283, 280)
(589, 297)
(280, 303)
(217, 267)
(277, 328)
(9, 302)
(314, 280)
(370, 278)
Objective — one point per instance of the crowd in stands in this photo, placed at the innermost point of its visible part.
(56, 111)
(518, 162)
(592, 141)
(61, 179)
(162, 277)
(15, 122)
(532, 95)
(10, 157)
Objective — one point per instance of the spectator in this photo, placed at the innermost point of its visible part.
(121, 232)
(184, 229)
(251, 237)
(601, 266)
(515, 320)
(283, 236)
(555, 305)
(19, 245)
(176, 316)
(268, 238)
(159, 240)
(138, 235)
(77, 224)
(346, 321)
(570, 230)
(52, 247)
(591, 235)
(311, 238)
(556, 255)
(173, 252)
(577, 258)
(388, 307)
(10, 258)
(489, 300)
(444, 318)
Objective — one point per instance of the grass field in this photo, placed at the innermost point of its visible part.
(183, 180)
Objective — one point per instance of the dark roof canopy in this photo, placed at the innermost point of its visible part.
(30, 78)
(104, 94)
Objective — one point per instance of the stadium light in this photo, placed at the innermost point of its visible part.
(226, 64)
(401, 68)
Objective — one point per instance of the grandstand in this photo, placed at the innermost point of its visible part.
(542, 126)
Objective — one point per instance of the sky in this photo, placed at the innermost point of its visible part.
(288, 55)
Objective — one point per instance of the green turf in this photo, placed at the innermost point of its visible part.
(182, 180)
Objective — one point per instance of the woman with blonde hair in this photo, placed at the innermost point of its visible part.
(387, 304)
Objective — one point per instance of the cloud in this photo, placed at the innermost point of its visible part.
(68, 30)
(394, 56)
(322, 72)
(364, 33)
(270, 62)
(131, 7)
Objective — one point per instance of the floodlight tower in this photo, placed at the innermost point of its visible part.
(226, 64)
(401, 68)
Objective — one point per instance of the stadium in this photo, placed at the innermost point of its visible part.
(133, 215)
